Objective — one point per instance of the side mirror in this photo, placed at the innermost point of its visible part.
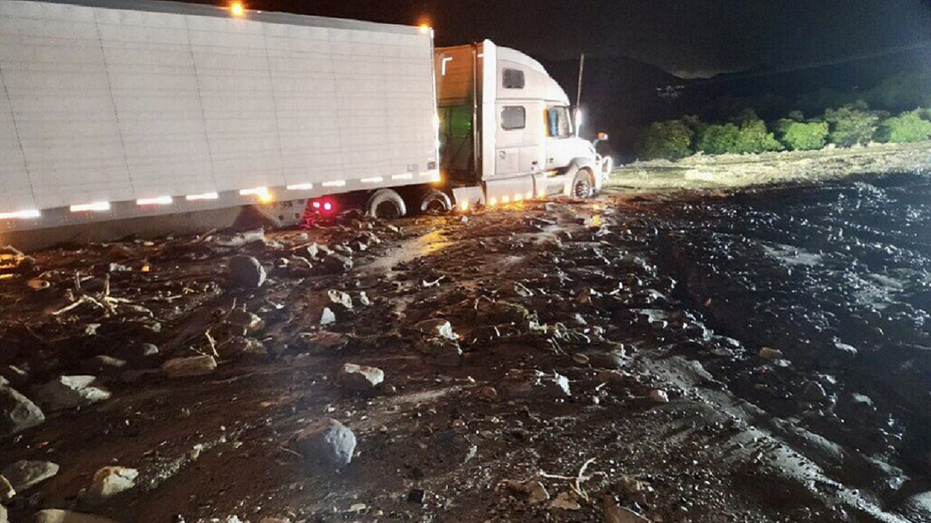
(602, 137)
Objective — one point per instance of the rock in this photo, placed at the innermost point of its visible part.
(770, 354)
(67, 392)
(108, 482)
(326, 441)
(25, 474)
(323, 342)
(243, 238)
(364, 299)
(360, 377)
(6, 489)
(522, 383)
(814, 392)
(437, 327)
(659, 396)
(564, 501)
(246, 272)
(534, 490)
(4, 518)
(336, 263)
(845, 352)
(340, 298)
(243, 318)
(327, 317)
(313, 250)
(441, 351)
(190, 366)
(66, 516)
(239, 348)
(103, 364)
(616, 514)
(342, 250)
(17, 412)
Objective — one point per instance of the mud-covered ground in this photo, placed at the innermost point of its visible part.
(754, 356)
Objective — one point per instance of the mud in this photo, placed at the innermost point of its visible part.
(570, 316)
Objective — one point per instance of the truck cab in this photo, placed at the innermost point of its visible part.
(506, 129)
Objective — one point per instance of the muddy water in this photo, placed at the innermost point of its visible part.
(838, 278)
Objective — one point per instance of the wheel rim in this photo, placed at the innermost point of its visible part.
(583, 188)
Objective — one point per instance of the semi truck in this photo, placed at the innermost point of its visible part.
(129, 109)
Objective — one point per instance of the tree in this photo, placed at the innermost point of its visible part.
(852, 124)
(908, 127)
(753, 136)
(671, 140)
(797, 135)
(718, 139)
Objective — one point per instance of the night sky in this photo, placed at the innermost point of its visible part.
(696, 38)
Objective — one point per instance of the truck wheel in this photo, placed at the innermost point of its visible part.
(583, 186)
(386, 204)
(436, 202)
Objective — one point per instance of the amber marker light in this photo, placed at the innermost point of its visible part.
(237, 9)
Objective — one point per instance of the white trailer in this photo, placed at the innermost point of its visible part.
(114, 108)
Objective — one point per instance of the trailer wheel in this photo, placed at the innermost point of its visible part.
(386, 204)
(435, 201)
(583, 186)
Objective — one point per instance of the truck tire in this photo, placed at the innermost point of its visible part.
(435, 201)
(386, 204)
(583, 186)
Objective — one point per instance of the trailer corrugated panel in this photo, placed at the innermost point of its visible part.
(115, 101)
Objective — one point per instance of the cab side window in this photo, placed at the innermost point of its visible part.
(513, 117)
(513, 79)
(558, 124)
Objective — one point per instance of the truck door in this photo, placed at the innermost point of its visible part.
(559, 146)
(519, 144)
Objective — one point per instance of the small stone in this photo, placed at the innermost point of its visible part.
(53, 515)
(441, 351)
(364, 299)
(243, 318)
(814, 392)
(327, 441)
(336, 263)
(768, 353)
(659, 396)
(313, 250)
(437, 327)
(360, 378)
(340, 298)
(246, 271)
(327, 317)
(6, 489)
(26, 474)
(323, 342)
(17, 412)
(190, 366)
(108, 482)
(66, 392)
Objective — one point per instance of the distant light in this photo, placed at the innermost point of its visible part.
(30, 213)
(158, 200)
(204, 196)
(237, 9)
(95, 206)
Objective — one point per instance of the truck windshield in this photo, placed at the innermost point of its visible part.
(558, 123)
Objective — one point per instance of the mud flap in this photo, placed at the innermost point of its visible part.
(469, 195)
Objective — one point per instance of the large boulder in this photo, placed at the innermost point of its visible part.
(246, 272)
(328, 442)
(67, 392)
(17, 412)
(25, 474)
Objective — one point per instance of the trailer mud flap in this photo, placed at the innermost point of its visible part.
(466, 197)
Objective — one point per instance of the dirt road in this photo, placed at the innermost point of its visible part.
(756, 357)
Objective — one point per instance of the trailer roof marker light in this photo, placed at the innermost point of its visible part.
(405, 176)
(237, 9)
(373, 179)
(20, 215)
(87, 207)
(158, 200)
(203, 196)
(300, 187)
(335, 183)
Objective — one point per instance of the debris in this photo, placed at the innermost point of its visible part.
(340, 298)
(327, 317)
(66, 516)
(109, 481)
(814, 392)
(336, 263)
(38, 284)
(616, 514)
(326, 441)
(67, 392)
(6, 489)
(246, 271)
(243, 318)
(522, 383)
(26, 474)
(360, 378)
(190, 366)
(437, 327)
(243, 238)
(441, 351)
(534, 490)
(17, 412)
